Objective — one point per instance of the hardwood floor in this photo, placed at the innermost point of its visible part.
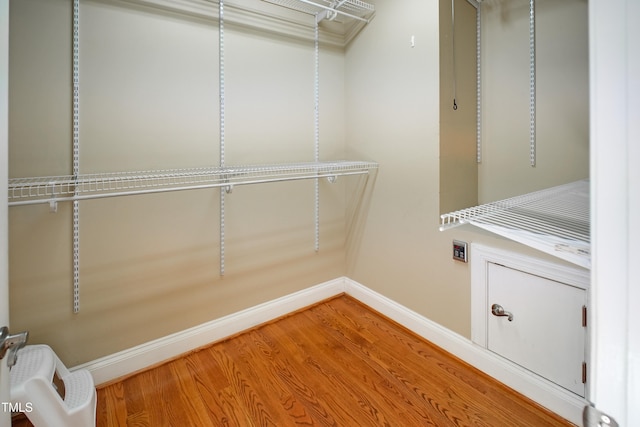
(335, 364)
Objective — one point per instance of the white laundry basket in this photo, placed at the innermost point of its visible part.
(33, 390)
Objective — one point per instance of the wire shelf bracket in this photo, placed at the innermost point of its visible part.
(555, 221)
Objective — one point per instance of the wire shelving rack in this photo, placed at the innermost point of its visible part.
(555, 220)
(82, 186)
(53, 189)
(330, 9)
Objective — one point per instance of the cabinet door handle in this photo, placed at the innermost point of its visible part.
(497, 310)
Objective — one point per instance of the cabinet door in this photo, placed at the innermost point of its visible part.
(546, 334)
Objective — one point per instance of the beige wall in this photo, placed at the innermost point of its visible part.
(149, 265)
(562, 97)
(562, 143)
(393, 117)
(393, 110)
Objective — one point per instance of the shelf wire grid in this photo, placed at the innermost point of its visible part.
(88, 186)
(555, 220)
(355, 9)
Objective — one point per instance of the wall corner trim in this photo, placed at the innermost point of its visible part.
(129, 361)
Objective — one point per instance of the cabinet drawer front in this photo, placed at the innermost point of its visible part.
(545, 334)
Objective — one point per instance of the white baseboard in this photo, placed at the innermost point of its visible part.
(555, 398)
(120, 364)
(134, 359)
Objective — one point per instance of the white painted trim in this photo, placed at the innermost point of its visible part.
(551, 396)
(258, 15)
(134, 359)
(4, 215)
(555, 398)
(614, 101)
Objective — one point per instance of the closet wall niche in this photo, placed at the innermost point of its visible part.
(458, 105)
(502, 167)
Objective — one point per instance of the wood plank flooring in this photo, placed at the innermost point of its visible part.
(334, 364)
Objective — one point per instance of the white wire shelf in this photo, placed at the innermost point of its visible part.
(330, 9)
(555, 221)
(53, 189)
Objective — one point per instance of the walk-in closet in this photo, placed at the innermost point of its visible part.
(181, 171)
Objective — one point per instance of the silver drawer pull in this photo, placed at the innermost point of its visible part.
(497, 310)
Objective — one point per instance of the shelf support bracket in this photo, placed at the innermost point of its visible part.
(327, 14)
(226, 189)
(316, 125)
(76, 154)
(532, 83)
(53, 203)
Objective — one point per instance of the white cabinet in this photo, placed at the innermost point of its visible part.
(532, 313)
(546, 333)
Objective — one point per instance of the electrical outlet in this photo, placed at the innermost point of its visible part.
(460, 251)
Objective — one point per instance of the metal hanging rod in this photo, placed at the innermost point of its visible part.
(555, 220)
(25, 191)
